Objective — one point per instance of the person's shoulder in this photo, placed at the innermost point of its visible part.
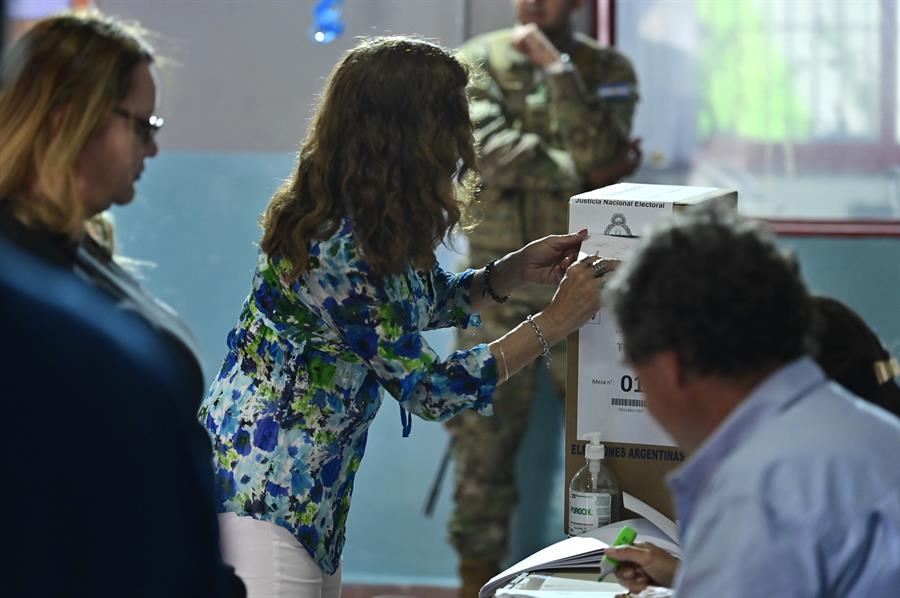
(53, 302)
(336, 260)
(103, 378)
(52, 248)
(489, 39)
(588, 45)
(336, 250)
(843, 421)
(481, 48)
(845, 427)
(804, 471)
(588, 51)
(335, 242)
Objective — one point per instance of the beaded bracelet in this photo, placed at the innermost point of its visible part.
(540, 335)
(488, 289)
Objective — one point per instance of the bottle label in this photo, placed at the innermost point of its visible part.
(587, 511)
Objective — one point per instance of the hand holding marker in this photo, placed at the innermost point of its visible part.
(625, 538)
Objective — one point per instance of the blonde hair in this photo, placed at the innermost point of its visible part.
(60, 82)
(102, 228)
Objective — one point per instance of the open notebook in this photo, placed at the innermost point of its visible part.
(587, 550)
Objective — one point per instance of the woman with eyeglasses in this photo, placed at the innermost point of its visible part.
(76, 126)
(115, 463)
(346, 283)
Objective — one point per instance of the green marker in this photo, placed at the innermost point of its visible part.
(625, 538)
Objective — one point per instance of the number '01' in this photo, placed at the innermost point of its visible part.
(629, 383)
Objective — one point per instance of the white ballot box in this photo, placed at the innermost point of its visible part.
(602, 394)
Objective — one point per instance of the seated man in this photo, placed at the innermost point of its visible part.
(792, 487)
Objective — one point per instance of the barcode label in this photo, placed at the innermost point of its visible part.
(626, 402)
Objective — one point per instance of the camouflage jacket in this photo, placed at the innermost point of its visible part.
(539, 135)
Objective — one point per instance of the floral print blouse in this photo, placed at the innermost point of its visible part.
(290, 410)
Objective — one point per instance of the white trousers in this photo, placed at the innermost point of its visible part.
(271, 562)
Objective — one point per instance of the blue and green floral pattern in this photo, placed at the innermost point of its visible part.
(290, 410)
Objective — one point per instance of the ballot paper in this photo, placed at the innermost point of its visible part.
(540, 586)
(607, 246)
(656, 519)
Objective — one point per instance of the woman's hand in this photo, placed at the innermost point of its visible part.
(578, 297)
(546, 260)
(644, 564)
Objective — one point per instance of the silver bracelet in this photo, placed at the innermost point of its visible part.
(537, 330)
(505, 368)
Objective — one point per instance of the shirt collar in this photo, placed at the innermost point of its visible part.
(770, 397)
(56, 248)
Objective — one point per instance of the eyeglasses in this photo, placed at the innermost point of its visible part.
(146, 129)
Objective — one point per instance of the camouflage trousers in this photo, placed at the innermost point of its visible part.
(484, 448)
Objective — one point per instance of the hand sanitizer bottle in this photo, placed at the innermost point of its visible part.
(594, 494)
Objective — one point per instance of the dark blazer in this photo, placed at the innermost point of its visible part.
(107, 485)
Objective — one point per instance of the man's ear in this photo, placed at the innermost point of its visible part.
(672, 368)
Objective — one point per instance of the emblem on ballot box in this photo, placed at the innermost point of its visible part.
(618, 227)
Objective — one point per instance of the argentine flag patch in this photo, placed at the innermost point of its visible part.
(615, 91)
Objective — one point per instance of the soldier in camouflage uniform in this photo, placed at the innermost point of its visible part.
(553, 112)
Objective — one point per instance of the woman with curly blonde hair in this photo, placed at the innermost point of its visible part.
(346, 282)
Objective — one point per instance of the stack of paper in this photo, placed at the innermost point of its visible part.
(587, 550)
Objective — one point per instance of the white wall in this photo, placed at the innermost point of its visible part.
(247, 74)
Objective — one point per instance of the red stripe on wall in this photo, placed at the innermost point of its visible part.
(835, 228)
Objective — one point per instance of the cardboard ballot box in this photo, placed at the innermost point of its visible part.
(602, 394)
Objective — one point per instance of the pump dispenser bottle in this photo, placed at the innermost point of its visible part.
(594, 495)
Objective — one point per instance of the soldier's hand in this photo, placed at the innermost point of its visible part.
(531, 41)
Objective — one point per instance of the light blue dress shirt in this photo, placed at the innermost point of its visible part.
(796, 493)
